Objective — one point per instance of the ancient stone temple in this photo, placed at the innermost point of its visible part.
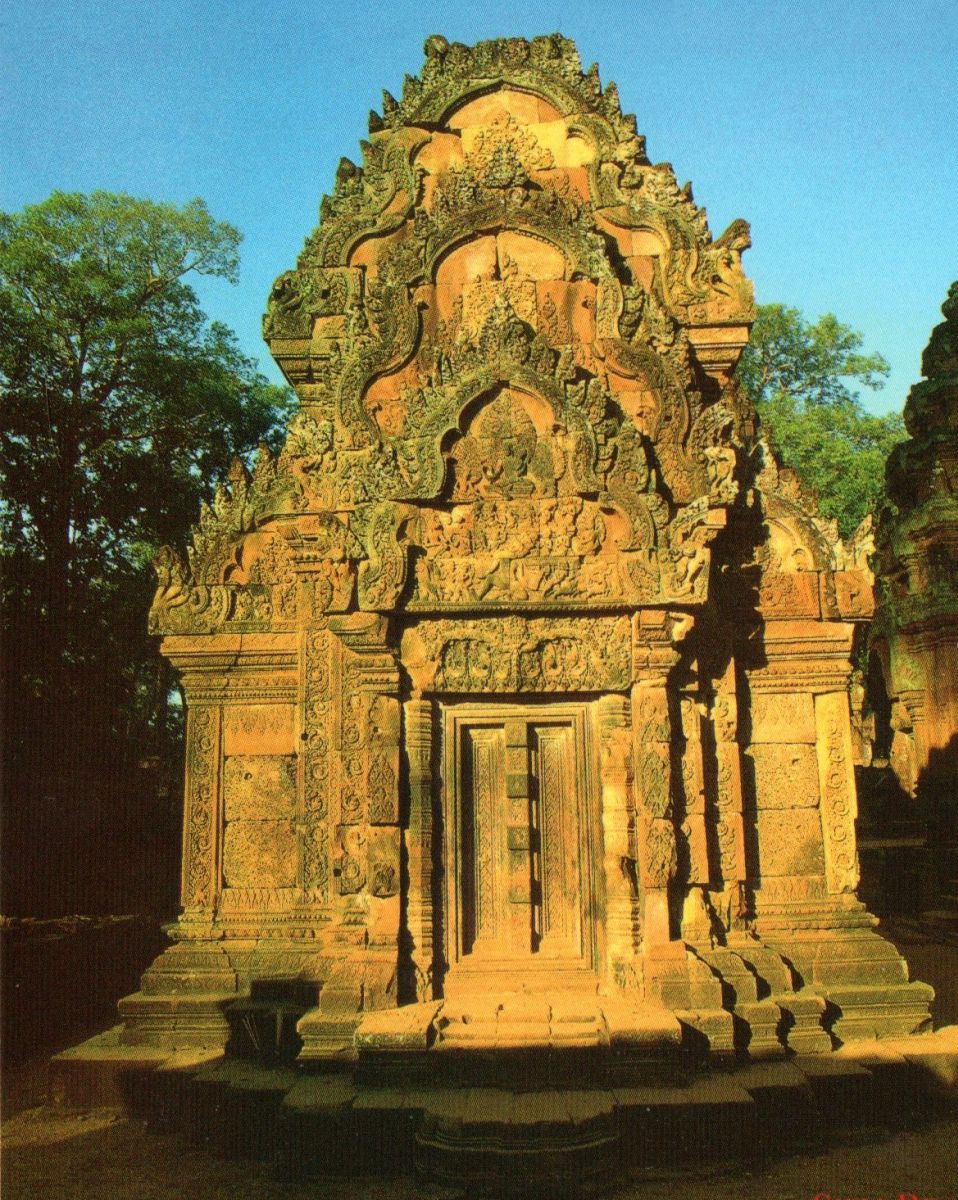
(517, 684)
(914, 637)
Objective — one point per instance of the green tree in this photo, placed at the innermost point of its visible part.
(121, 405)
(800, 377)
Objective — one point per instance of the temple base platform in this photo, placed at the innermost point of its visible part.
(524, 1094)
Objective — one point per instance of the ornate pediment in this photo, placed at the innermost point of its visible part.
(512, 338)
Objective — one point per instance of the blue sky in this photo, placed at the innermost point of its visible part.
(831, 127)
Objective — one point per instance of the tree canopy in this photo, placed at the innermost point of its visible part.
(122, 405)
(800, 377)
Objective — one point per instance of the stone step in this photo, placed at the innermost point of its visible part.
(481, 1135)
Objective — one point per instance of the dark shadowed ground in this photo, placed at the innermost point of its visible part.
(101, 1156)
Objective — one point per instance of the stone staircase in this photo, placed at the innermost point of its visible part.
(521, 1093)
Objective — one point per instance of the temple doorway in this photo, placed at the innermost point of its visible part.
(519, 821)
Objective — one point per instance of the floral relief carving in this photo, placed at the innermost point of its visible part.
(203, 736)
(837, 794)
(316, 766)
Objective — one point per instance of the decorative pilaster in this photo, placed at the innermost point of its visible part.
(694, 820)
(837, 787)
(618, 831)
(316, 768)
(730, 826)
(418, 741)
(367, 864)
(202, 818)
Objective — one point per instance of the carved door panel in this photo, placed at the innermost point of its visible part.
(518, 832)
(557, 909)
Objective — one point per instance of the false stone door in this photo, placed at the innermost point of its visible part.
(520, 843)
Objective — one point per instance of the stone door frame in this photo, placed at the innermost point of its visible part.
(518, 716)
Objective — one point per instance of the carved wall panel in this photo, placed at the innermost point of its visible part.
(786, 776)
(783, 718)
(259, 807)
(789, 842)
(259, 729)
(259, 787)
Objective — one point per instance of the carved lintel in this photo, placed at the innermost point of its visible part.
(512, 654)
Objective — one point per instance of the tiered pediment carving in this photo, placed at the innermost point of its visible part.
(806, 570)
(512, 337)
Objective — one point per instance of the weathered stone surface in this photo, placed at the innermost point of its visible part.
(783, 718)
(786, 776)
(259, 787)
(790, 842)
(259, 854)
(259, 729)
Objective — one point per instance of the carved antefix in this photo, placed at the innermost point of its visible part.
(522, 664)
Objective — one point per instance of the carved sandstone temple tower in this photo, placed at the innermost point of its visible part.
(915, 633)
(518, 685)
(914, 636)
